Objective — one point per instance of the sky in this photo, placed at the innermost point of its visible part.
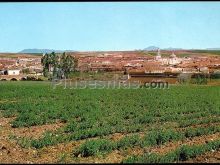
(94, 26)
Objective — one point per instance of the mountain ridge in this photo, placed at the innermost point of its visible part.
(43, 51)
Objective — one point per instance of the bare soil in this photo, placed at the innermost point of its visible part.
(209, 157)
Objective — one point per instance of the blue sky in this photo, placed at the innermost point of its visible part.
(89, 26)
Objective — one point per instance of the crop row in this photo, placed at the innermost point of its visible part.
(182, 153)
(157, 137)
(29, 118)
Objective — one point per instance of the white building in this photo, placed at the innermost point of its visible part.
(204, 69)
(176, 70)
(13, 72)
(172, 60)
(106, 62)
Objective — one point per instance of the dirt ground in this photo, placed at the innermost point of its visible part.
(12, 152)
(210, 157)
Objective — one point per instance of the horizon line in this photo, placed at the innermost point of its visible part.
(71, 50)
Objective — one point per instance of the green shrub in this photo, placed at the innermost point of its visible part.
(71, 127)
(48, 139)
(128, 141)
(94, 147)
(158, 137)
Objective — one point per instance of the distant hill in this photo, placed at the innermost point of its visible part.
(170, 48)
(154, 48)
(212, 48)
(151, 48)
(44, 51)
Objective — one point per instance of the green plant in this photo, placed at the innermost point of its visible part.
(128, 141)
(158, 137)
(94, 147)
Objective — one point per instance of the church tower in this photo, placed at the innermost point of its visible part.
(173, 55)
(158, 57)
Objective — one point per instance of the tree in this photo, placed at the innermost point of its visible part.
(58, 65)
(45, 63)
(66, 64)
(48, 61)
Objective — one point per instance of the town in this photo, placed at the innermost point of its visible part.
(129, 63)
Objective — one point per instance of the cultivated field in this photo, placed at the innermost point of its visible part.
(40, 124)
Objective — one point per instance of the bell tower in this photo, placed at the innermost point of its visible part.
(158, 57)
